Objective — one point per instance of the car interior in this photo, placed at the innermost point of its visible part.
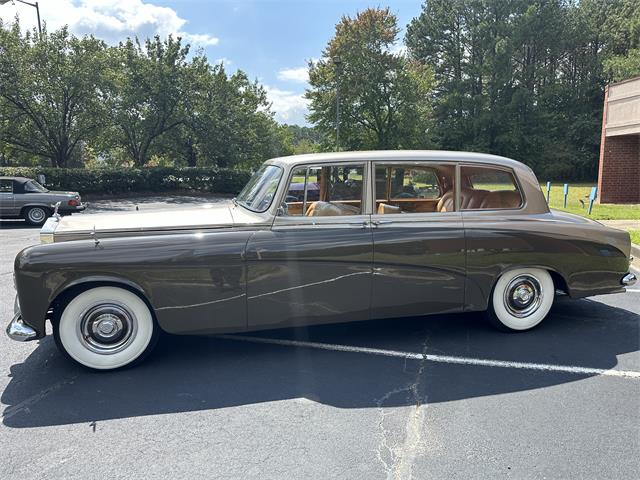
(337, 190)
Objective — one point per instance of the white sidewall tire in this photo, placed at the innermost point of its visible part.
(506, 318)
(68, 328)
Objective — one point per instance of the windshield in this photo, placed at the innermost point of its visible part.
(258, 193)
(34, 187)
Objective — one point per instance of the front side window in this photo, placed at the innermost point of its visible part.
(258, 193)
(414, 188)
(487, 188)
(325, 191)
(6, 186)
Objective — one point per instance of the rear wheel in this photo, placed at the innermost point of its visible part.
(35, 215)
(521, 299)
(105, 328)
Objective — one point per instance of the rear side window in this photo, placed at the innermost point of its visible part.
(414, 188)
(406, 182)
(487, 188)
(6, 186)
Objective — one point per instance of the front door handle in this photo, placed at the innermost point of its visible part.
(381, 222)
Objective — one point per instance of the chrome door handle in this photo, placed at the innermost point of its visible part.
(381, 222)
(363, 224)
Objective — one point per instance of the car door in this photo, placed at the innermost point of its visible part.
(7, 208)
(418, 240)
(314, 266)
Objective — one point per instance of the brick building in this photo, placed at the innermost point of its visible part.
(619, 169)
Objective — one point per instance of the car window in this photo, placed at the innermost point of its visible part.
(6, 186)
(258, 193)
(34, 187)
(487, 188)
(414, 188)
(327, 191)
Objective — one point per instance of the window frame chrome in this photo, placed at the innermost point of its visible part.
(291, 220)
(518, 184)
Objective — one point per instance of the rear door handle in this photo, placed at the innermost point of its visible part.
(381, 222)
(363, 224)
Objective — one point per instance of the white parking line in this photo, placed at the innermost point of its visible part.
(633, 290)
(440, 358)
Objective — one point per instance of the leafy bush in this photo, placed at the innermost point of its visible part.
(160, 179)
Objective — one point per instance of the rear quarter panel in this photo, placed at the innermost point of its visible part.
(590, 257)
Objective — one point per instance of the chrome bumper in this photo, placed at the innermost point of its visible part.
(628, 280)
(20, 331)
(17, 329)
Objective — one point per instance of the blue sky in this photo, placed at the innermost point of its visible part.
(271, 40)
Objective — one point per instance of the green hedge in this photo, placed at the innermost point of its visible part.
(157, 179)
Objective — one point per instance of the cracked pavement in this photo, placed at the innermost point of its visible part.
(220, 408)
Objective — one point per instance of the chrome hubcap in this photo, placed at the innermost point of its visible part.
(523, 296)
(107, 328)
(36, 214)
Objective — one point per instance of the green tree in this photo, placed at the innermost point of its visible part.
(525, 79)
(227, 120)
(383, 96)
(146, 94)
(51, 92)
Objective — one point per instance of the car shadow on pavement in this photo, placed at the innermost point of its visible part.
(200, 373)
(17, 224)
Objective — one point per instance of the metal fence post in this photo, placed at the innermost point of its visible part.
(592, 197)
(548, 191)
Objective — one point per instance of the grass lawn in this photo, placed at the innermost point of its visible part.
(635, 236)
(580, 191)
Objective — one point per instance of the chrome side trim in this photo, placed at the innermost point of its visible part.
(628, 280)
(20, 331)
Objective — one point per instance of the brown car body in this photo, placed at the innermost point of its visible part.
(228, 269)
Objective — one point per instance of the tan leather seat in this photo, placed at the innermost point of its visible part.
(502, 199)
(328, 209)
(471, 199)
(446, 202)
(384, 208)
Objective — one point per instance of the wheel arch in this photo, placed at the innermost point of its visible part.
(559, 282)
(44, 206)
(72, 289)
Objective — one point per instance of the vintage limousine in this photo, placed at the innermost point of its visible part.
(316, 239)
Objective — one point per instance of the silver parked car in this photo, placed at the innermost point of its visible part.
(25, 198)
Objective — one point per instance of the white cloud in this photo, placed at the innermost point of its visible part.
(223, 60)
(110, 20)
(289, 107)
(398, 48)
(299, 74)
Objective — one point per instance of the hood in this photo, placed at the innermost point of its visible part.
(78, 227)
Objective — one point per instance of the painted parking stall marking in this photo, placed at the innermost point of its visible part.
(576, 370)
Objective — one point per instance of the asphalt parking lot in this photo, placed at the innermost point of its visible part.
(438, 397)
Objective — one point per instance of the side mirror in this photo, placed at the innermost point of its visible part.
(281, 212)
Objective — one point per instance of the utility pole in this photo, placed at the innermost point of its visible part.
(35, 5)
(337, 61)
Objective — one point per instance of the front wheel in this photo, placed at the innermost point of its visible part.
(521, 299)
(105, 328)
